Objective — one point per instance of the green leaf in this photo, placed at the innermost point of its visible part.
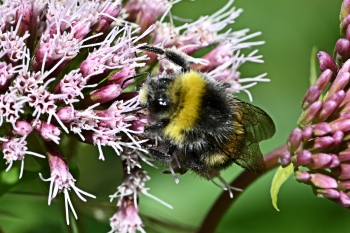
(10, 179)
(280, 177)
(313, 66)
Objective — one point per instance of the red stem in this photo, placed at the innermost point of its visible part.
(224, 202)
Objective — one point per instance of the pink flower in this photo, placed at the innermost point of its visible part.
(61, 181)
(127, 218)
(319, 144)
(70, 69)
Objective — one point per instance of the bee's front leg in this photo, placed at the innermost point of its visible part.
(154, 129)
(160, 156)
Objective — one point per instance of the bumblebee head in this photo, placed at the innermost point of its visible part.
(154, 95)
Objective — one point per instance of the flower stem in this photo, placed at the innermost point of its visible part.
(223, 203)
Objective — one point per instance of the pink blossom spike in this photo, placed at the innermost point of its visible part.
(63, 69)
(15, 149)
(61, 179)
(127, 218)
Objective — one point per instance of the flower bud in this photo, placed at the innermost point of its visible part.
(342, 125)
(23, 128)
(323, 181)
(312, 95)
(327, 109)
(335, 162)
(66, 114)
(344, 156)
(339, 83)
(320, 143)
(307, 133)
(294, 140)
(344, 184)
(346, 67)
(321, 129)
(302, 158)
(110, 11)
(344, 171)
(47, 131)
(338, 138)
(346, 98)
(324, 79)
(81, 29)
(327, 193)
(347, 33)
(320, 160)
(103, 95)
(337, 97)
(343, 199)
(344, 15)
(342, 49)
(326, 62)
(309, 114)
(119, 77)
(285, 159)
(302, 176)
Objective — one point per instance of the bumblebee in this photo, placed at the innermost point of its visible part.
(202, 127)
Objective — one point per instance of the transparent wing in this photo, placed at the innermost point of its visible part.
(251, 158)
(256, 121)
(257, 126)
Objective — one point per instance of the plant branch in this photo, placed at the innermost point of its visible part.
(224, 202)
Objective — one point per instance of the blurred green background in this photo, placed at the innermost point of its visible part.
(290, 28)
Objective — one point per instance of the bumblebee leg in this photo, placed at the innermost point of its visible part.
(160, 156)
(154, 129)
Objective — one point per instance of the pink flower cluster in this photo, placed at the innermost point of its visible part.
(64, 67)
(319, 147)
(61, 72)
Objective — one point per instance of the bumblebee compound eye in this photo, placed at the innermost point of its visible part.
(160, 103)
(162, 100)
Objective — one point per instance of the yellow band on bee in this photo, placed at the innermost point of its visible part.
(191, 87)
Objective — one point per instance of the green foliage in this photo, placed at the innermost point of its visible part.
(280, 177)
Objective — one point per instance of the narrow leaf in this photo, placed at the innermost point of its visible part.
(280, 177)
(313, 66)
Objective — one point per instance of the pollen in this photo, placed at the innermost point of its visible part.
(143, 95)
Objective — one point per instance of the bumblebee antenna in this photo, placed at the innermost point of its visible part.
(172, 56)
(148, 74)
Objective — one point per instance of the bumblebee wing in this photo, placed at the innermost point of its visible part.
(248, 156)
(257, 126)
(256, 121)
(251, 158)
